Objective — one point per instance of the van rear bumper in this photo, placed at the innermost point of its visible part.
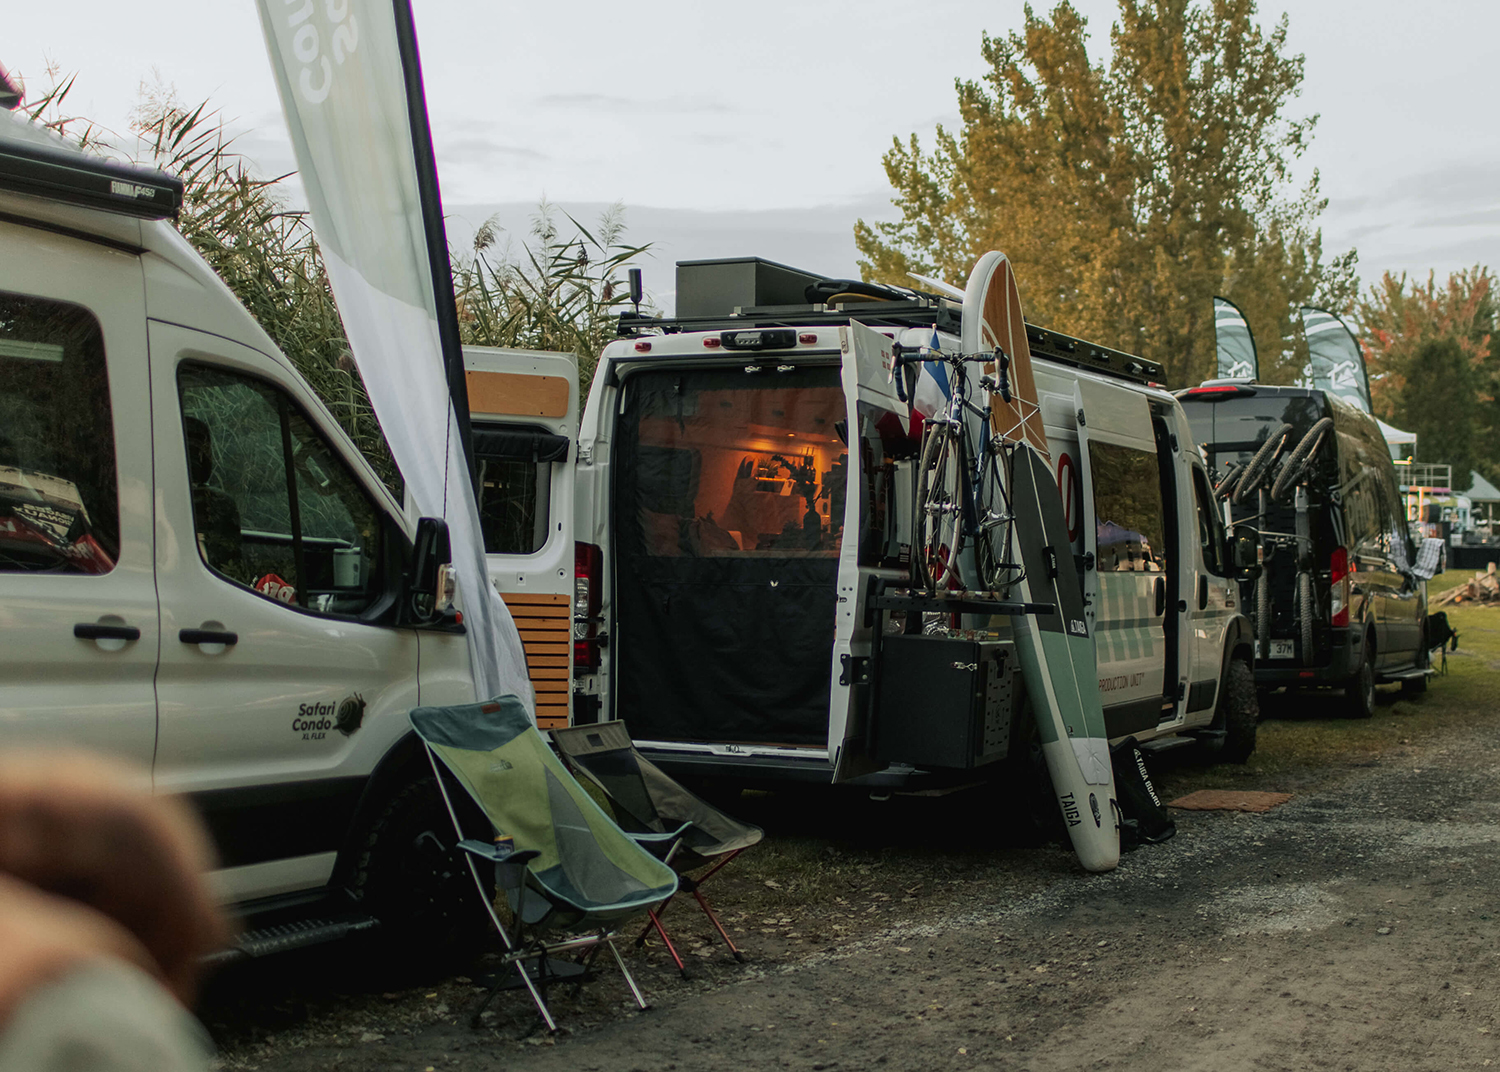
(1347, 650)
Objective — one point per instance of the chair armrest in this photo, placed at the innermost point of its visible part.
(488, 851)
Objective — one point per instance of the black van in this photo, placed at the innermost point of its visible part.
(1310, 477)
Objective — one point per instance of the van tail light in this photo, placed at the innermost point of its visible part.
(1338, 585)
(587, 567)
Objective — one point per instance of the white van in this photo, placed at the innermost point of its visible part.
(745, 481)
(198, 570)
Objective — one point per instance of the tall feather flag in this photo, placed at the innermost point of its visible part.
(1236, 345)
(350, 81)
(1335, 362)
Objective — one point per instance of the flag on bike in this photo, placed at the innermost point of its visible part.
(1236, 345)
(933, 389)
(1335, 361)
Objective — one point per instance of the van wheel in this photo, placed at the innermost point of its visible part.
(1359, 694)
(411, 878)
(1237, 714)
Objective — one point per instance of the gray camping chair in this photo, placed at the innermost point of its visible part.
(569, 874)
(650, 804)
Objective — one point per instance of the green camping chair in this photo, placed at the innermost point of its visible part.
(649, 804)
(569, 874)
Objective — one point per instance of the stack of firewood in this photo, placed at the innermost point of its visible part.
(1484, 588)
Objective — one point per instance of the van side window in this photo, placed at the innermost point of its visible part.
(59, 495)
(1128, 515)
(275, 508)
(515, 485)
(1210, 527)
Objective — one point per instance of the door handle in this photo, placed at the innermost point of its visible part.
(208, 636)
(1202, 592)
(105, 631)
(1161, 597)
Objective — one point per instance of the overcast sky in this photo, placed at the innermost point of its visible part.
(733, 129)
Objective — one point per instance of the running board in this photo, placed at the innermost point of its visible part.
(282, 937)
(1166, 744)
(1408, 675)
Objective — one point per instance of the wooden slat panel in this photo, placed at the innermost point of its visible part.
(535, 662)
(547, 649)
(540, 614)
(539, 628)
(511, 394)
(549, 688)
(549, 673)
(534, 599)
(552, 722)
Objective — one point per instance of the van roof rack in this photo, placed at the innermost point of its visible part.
(746, 292)
(38, 163)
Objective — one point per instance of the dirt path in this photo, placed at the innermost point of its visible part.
(1352, 928)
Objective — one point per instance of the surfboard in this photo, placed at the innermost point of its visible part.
(1056, 650)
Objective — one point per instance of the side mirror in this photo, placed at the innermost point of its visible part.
(428, 598)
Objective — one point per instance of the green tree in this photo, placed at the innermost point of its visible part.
(1126, 196)
(1434, 368)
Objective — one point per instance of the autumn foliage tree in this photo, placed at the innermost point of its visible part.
(1127, 196)
(1430, 349)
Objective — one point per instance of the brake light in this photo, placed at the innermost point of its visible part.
(587, 563)
(1338, 585)
(587, 579)
(1216, 392)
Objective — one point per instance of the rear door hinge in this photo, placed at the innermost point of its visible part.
(856, 670)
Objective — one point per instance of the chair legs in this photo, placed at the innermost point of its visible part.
(695, 886)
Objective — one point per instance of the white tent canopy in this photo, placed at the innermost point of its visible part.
(1394, 436)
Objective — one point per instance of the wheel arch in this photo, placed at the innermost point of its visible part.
(403, 763)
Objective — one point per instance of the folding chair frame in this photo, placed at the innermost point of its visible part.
(518, 952)
(695, 886)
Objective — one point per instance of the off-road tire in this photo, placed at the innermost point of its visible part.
(1260, 465)
(1306, 616)
(1237, 714)
(1359, 693)
(411, 878)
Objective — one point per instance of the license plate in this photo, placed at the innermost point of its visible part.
(1280, 649)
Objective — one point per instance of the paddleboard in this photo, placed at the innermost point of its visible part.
(1056, 650)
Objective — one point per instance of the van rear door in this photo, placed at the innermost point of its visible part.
(875, 417)
(1125, 528)
(523, 407)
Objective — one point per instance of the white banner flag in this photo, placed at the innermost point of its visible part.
(338, 66)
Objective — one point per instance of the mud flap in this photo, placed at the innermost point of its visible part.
(1144, 820)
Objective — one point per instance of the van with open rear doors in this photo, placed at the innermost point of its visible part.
(1309, 481)
(746, 477)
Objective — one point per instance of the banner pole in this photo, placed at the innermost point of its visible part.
(435, 231)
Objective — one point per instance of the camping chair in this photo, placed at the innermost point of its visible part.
(569, 874)
(647, 802)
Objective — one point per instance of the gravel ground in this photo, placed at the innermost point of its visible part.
(1353, 927)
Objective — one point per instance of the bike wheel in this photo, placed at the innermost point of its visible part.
(1306, 611)
(994, 544)
(1301, 459)
(937, 528)
(1262, 617)
(1260, 465)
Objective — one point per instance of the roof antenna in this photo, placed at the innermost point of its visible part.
(635, 289)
